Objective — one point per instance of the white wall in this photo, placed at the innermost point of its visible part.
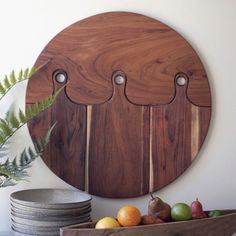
(26, 26)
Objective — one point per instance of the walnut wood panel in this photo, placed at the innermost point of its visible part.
(65, 155)
(148, 51)
(121, 140)
(178, 130)
(119, 148)
(218, 226)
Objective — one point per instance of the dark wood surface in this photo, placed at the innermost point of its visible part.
(66, 153)
(148, 51)
(178, 130)
(121, 140)
(219, 226)
(119, 147)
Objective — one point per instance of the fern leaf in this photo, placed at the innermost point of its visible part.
(7, 183)
(13, 77)
(8, 115)
(14, 121)
(26, 74)
(38, 68)
(31, 153)
(2, 89)
(11, 81)
(4, 136)
(6, 82)
(32, 71)
(9, 126)
(39, 145)
(35, 108)
(28, 113)
(13, 176)
(5, 121)
(22, 116)
(11, 172)
(20, 75)
(45, 103)
(57, 93)
(48, 135)
(1, 139)
(6, 130)
(14, 163)
(7, 163)
(24, 159)
(41, 106)
(4, 151)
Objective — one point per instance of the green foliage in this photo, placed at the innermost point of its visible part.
(13, 122)
(11, 80)
(13, 171)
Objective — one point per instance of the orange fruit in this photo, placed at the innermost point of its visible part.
(129, 216)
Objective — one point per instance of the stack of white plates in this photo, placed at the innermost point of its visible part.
(45, 211)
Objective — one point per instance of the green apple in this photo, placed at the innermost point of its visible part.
(181, 211)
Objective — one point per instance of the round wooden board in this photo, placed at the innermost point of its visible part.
(126, 125)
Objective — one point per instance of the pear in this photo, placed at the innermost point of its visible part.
(159, 208)
(197, 210)
(150, 219)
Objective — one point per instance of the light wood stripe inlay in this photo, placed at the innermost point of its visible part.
(151, 174)
(195, 131)
(88, 131)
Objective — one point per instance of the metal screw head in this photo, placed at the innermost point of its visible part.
(61, 77)
(181, 81)
(119, 79)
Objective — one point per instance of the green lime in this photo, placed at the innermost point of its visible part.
(181, 211)
(215, 213)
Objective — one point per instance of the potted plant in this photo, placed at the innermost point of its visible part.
(13, 171)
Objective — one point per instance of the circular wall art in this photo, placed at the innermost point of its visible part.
(135, 108)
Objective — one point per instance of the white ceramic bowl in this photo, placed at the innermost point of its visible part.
(31, 211)
(46, 223)
(50, 218)
(28, 227)
(51, 198)
(19, 232)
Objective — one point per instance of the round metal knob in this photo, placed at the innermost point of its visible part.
(61, 77)
(181, 81)
(119, 79)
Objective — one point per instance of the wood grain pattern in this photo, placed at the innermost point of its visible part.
(219, 226)
(119, 148)
(176, 136)
(62, 156)
(148, 51)
(68, 142)
(121, 140)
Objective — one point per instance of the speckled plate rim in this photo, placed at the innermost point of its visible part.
(49, 212)
(14, 198)
(20, 231)
(51, 218)
(47, 224)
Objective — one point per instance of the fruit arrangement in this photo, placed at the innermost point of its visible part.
(158, 212)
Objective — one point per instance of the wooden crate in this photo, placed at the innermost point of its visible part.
(224, 225)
